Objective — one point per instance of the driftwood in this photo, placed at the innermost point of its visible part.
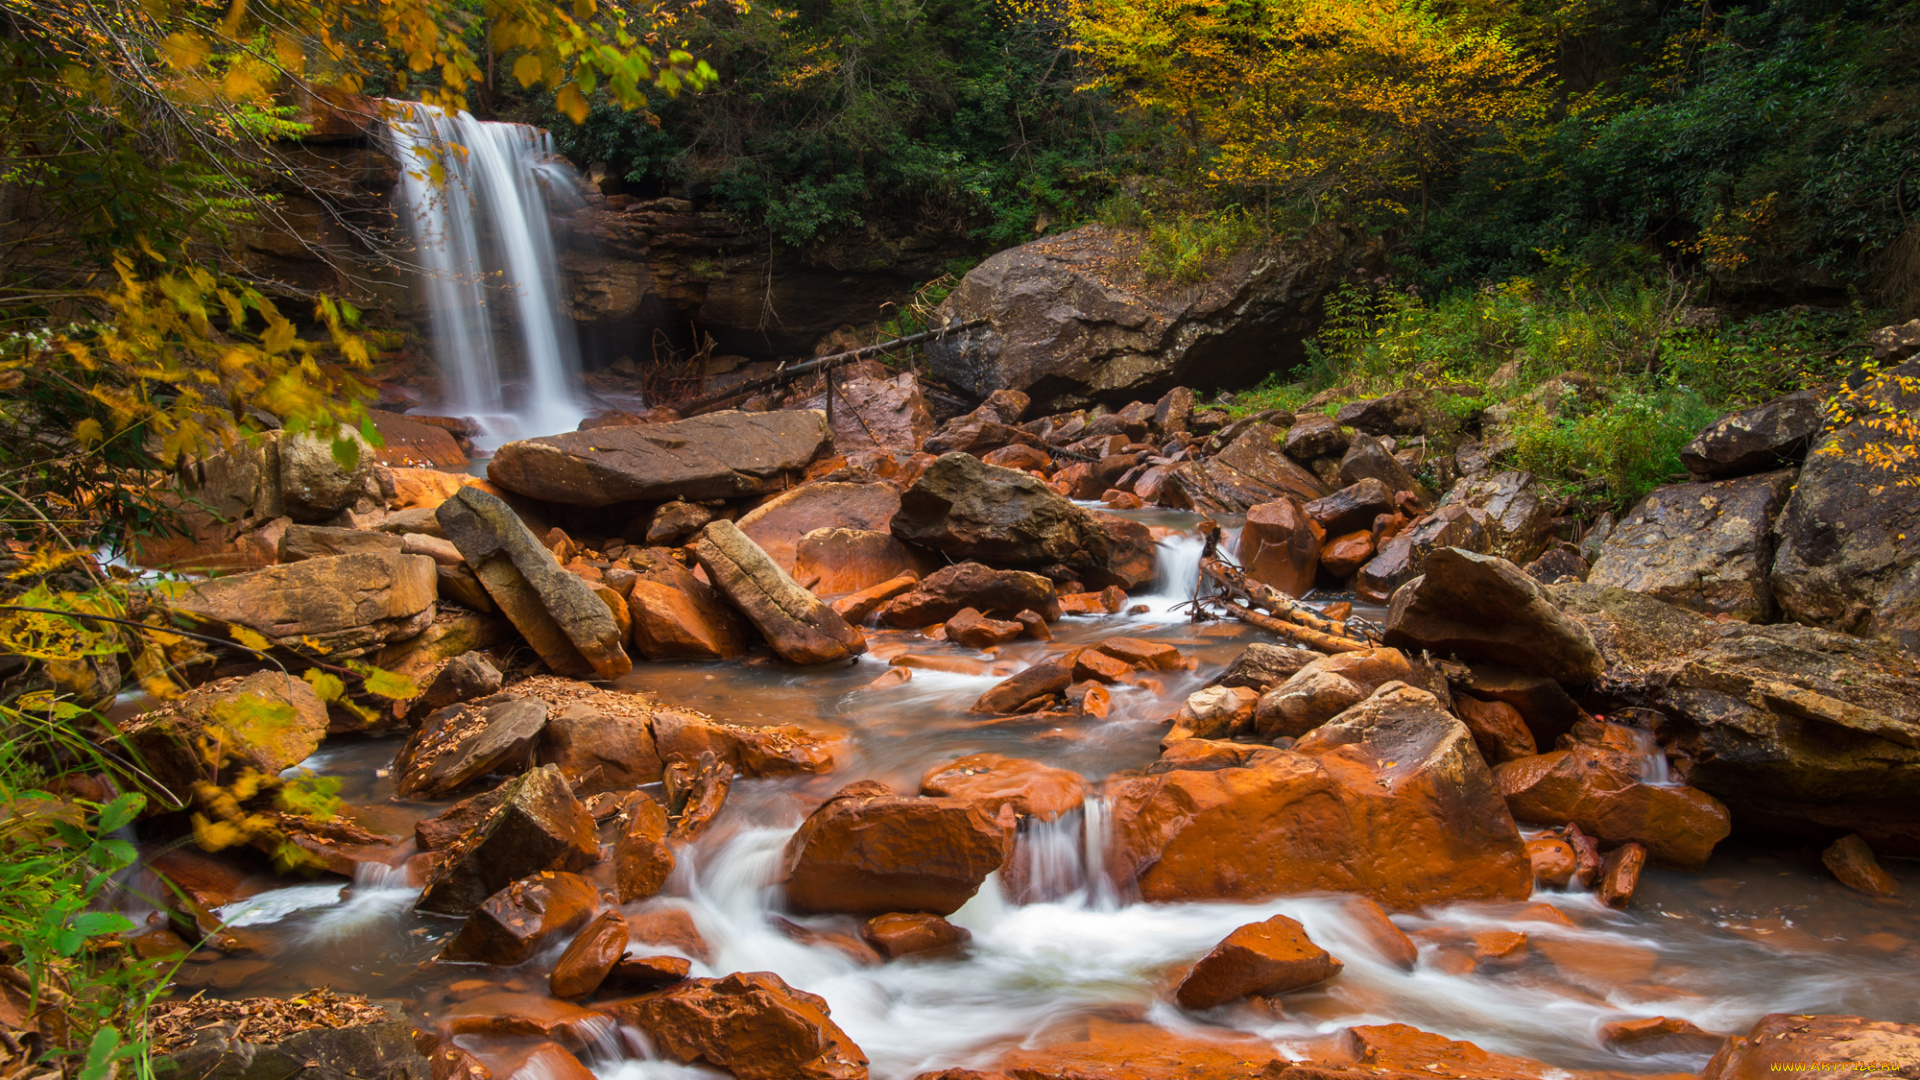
(789, 372)
(1284, 616)
(1312, 639)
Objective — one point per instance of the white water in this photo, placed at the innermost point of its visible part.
(482, 237)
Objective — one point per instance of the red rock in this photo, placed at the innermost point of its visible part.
(1497, 727)
(835, 562)
(1111, 600)
(857, 607)
(541, 1061)
(1620, 874)
(752, 1025)
(1019, 456)
(1326, 687)
(1602, 793)
(598, 751)
(849, 945)
(671, 928)
(1499, 945)
(1265, 958)
(1034, 625)
(1407, 1052)
(1659, 1035)
(1554, 862)
(892, 677)
(944, 593)
(975, 631)
(1115, 499)
(899, 934)
(1280, 546)
(590, 957)
(1852, 861)
(642, 973)
(778, 524)
(993, 781)
(1846, 1045)
(867, 853)
(783, 750)
(676, 616)
(1389, 942)
(1098, 666)
(1103, 1049)
(513, 923)
(642, 858)
(511, 1014)
(1093, 700)
(1048, 677)
(537, 826)
(1146, 655)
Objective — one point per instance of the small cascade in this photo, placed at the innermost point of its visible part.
(1654, 768)
(1176, 574)
(1064, 858)
(480, 236)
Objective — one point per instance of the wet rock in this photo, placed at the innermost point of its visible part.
(1753, 440)
(1262, 667)
(1217, 712)
(1367, 458)
(639, 974)
(946, 592)
(381, 1048)
(1602, 794)
(301, 542)
(642, 857)
(1108, 601)
(834, 562)
(1659, 1035)
(546, 1060)
(970, 509)
(1620, 874)
(1019, 456)
(537, 826)
(1326, 687)
(749, 1024)
(901, 934)
(1402, 556)
(266, 721)
(860, 606)
(676, 616)
(465, 677)
(1789, 1042)
(695, 792)
(1707, 546)
(1265, 958)
(772, 750)
(1317, 435)
(778, 524)
(1554, 862)
(512, 924)
(1498, 729)
(886, 413)
(349, 604)
(1484, 607)
(1519, 517)
(1280, 546)
(557, 612)
(589, 959)
(1851, 860)
(1067, 331)
(973, 630)
(1256, 454)
(1849, 537)
(1352, 507)
(868, 853)
(1050, 676)
(422, 488)
(1389, 800)
(462, 743)
(675, 521)
(798, 626)
(721, 455)
(994, 781)
(670, 928)
(1543, 704)
(1098, 666)
(598, 751)
(511, 1014)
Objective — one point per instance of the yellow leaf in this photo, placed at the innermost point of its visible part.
(249, 638)
(527, 69)
(571, 102)
(87, 432)
(185, 50)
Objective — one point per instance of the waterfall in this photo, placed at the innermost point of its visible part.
(481, 235)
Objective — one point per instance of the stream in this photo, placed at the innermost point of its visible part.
(1758, 931)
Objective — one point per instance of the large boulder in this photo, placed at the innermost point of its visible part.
(1519, 515)
(778, 524)
(794, 621)
(995, 781)
(1403, 556)
(750, 1024)
(1482, 607)
(1796, 1042)
(1706, 546)
(568, 625)
(537, 825)
(869, 852)
(1849, 538)
(267, 721)
(1797, 730)
(1258, 454)
(1602, 793)
(512, 924)
(316, 482)
(349, 604)
(1402, 412)
(837, 561)
(721, 455)
(890, 414)
(1751, 440)
(1280, 546)
(676, 616)
(1390, 800)
(1072, 319)
(969, 509)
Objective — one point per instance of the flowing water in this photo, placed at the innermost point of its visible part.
(1756, 932)
(474, 196)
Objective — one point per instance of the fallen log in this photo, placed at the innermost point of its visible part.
(789, 372)
(1275, 601)
(1312, 639)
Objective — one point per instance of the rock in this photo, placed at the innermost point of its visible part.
(1280, 546)
(1659, 1035)
(1050, 676)
(969, 509)
(798, 626)
(1554, 862)
(422, 488)
(266, 722)
(1317, 435)
(948, 591)
(1519, 519)
(558, 613)
(1707, 546)
(776, 750)
(1256, 454)
(1019, 456)
(1403, 412)
(1352, 507)
(465, 677)
(599, 751)
(414, 445)
(314, 484)
(1325, 688)
(1852, 861)
(1369, 459)
(1849, 537)
(1542, 703)
(1402, 556)
(1799, 731)
(834, 562)
(1265, 958)
(676, 616)
(994, 781)
(866, 852)
(778, 524)
(537, 826)
(545, 1059)
(1071, 321)
(462, 743)
(1262, 667)
(382, 1047)
(1217, 712)
(1561, 562)
(1789, 1042)
(670, 928)
(300, 542)
(1753, 440)
(720, 455)
(452, 633)
(675, 521)
(589, 959)
(973, 630)
(1498, 728)
(349, 604)
(1389, 800)
(751, 1025)
(860, 606)
(887, 413)
(642, 858)
(1602, 794)
(512, 924)
(1174, 411)
(1483, 607)
(1620, 874)
(639, 974)
(914, 934)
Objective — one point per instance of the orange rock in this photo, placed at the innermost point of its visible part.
(1499, 945)
(1143, 654)
(1498, 729)
(942, 594)
(1325, 687)
(1103, 1049)
(1599, 792)
(1388, 941)
(676, 616)
(1216, 712)
(1841, 1045)
(671, 928)
(509, 1014)
(1100, 667)
(785, 750)
(953, 665)
(1093, 700)
(1019, 456)
(836, 562)
(1347, 553)
(1553, 861)
(892, 677)
(858, 607)
(1280, 546)
(994, 780)
(545, 1060)
(642, 858)
(751, 1025)
(638, 974)
(1852, 861)
(1116, 499)
(868, 853)
(1046, 678)
(779, 523)
(1108, 601)
(1413, 1052)
(513, 923)
(899, 934)
(590, 957)
(1265, 958)
(1620, 874)
(1659, 1035)
(422, 488)
(975, 631)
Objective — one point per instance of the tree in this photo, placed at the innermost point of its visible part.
(1351, 104)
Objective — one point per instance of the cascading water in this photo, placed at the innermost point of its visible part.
(480, 235)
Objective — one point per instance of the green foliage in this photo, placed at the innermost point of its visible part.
(1625, 447)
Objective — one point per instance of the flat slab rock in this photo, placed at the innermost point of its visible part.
(719, 456)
